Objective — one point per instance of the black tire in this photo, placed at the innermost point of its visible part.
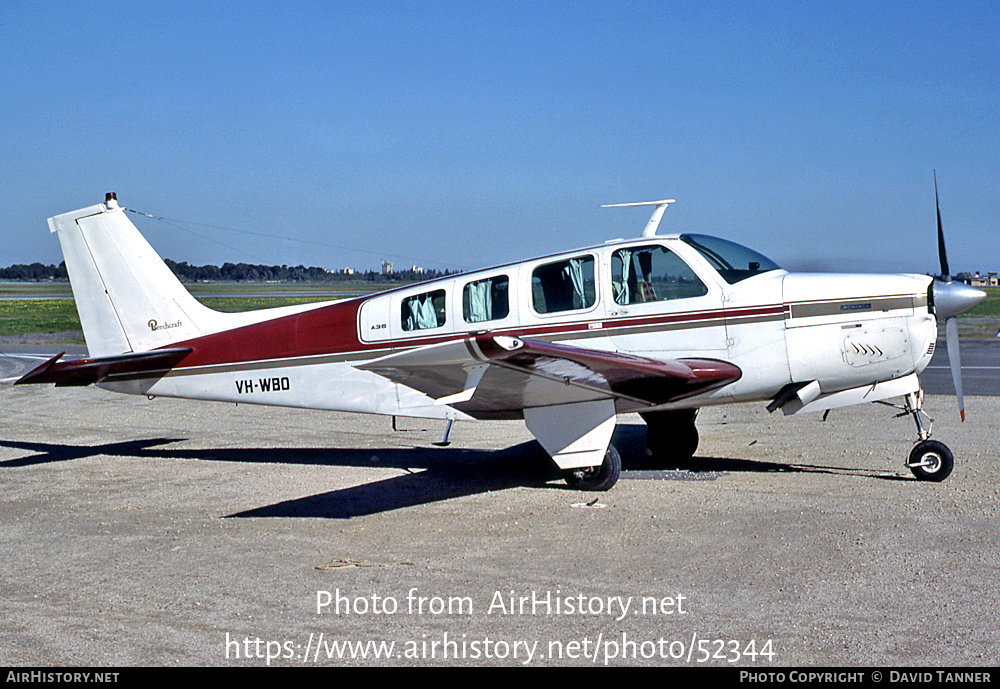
(597, 478)
(931, 461)
(671, 436)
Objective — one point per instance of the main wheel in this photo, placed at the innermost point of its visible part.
(931, 461)
(597, 478)
(671, 435)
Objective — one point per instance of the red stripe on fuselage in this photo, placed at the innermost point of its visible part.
(333, 329)
(325, 330)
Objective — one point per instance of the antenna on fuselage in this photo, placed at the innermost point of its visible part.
(654, 220)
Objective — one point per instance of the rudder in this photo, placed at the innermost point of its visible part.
(127, 298)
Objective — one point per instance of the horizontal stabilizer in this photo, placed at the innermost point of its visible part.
(86, 371)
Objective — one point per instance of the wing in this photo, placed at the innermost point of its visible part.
(491, 375)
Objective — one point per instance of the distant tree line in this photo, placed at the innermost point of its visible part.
(34, 272)
(235, 272)
(248, 272)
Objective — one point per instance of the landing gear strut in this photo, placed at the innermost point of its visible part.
(929, 460)
(671, 436)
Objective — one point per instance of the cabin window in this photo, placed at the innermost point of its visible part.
(652, 273)
(564, 285)
(733, 261)
(422, 311)
(486, 300)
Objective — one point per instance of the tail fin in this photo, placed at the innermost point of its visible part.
(127, 298)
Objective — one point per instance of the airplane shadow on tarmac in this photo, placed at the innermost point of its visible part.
(433, 473)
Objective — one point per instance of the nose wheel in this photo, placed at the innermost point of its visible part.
(929, 460)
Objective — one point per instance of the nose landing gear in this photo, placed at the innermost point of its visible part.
(929, 460)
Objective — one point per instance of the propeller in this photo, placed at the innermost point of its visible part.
(950, 299)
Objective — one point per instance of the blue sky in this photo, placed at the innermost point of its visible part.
(458, 135)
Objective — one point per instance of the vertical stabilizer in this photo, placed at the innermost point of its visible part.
(127, 298)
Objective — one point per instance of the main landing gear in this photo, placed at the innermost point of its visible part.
(597, 478)
(929, 460)
(671, 436)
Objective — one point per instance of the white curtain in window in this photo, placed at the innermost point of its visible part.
(480, 301)
(574, 269)
(413, 317)
(427, 317)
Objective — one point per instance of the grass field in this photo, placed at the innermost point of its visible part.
(333, 290)
(984, 319)
(35, 289)
(989, 307)
(236, 304)
(24, 316)
(21, 316)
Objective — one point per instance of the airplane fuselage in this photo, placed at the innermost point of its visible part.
(657, 297)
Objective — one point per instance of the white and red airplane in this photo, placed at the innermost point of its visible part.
(659, 325)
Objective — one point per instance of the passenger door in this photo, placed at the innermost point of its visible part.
(660, 306)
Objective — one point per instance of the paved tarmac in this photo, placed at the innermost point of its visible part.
(980, 368)
(172, 532)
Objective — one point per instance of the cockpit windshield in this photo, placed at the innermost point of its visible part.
(733, 261)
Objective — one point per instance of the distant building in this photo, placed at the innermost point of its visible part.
(417, 269)
(386, 267)
(978, 280)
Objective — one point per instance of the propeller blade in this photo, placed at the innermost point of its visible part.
(942, 253)
(955, 359)
(951, 299)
